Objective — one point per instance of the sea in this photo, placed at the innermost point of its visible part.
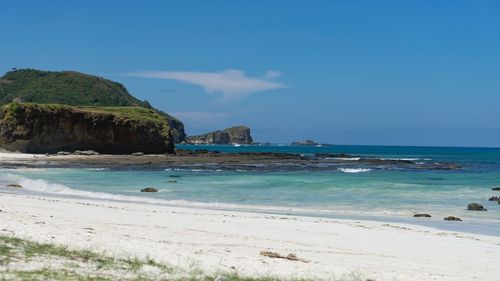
(392, 194)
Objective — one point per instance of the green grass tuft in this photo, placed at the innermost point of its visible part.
(87, 265)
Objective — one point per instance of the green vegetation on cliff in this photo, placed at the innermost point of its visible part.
(64, 87)
(140, 114)
(77, 89)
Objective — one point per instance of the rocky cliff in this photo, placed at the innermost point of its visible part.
(49, 128)
(76, 89)
(234, 135)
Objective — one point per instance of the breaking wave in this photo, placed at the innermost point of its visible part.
(354, 170)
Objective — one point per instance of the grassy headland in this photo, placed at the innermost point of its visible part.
(78, 89)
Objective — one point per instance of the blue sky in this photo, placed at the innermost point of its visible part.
(341, 72)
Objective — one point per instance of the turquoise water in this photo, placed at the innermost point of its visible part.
(374, 192)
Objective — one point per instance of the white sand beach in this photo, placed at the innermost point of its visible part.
(228, 241)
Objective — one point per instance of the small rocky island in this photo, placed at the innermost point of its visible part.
(304, 143)
(233, 135)
(48, 111)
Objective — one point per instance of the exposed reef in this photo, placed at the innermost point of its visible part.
(204, 160)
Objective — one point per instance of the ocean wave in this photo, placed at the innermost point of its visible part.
(354, 170)
(344, 158)
(43, 187)
(191, 170)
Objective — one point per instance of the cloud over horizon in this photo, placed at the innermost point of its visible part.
(230, 83)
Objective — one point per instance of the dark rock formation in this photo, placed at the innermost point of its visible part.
(475, 207)
(36, 128)
(494, 198)
(149, 189)
(304, 142)
(217, 137)
(176, 129)
(402, 163)
(496, 189)
(234, 135)
(421, 216)
(14, 185)
(451, 218)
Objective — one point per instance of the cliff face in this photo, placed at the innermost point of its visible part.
(36, 128)
(176, 129)
(234, 135)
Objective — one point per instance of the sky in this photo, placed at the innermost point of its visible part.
(340, 72)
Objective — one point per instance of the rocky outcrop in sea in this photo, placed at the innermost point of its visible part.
(234, 135)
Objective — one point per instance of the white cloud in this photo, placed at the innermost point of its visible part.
(230, 83)
(271, 74)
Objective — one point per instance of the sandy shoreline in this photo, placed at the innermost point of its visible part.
(214, 240)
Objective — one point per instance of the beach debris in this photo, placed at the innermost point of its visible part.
(496, 189)
(149, 189)
(85, 152)
(494, 198)
(421, 216)
(452, 218)
(291, 257)
(476, 207)
(137, 154)
(14, 185)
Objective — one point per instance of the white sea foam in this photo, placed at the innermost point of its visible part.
(354, 170)
(44, 187)
(40, 186)
(407, 159)
(344, 158)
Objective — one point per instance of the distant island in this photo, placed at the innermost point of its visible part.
(233, 135)
(48, 111)
(304, 143)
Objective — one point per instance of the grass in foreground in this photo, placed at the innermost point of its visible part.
(27, 260)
